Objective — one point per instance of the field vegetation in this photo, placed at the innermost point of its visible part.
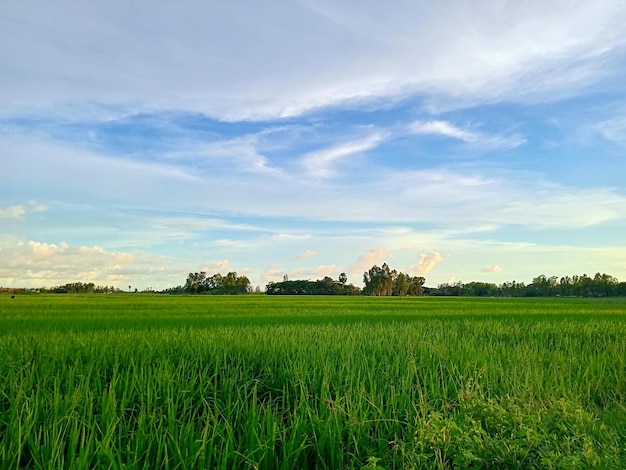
(142, 381)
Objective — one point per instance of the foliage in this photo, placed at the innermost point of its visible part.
(325, 286)
(82, 288)
(383, 281)
(601, 285)
(199, 283)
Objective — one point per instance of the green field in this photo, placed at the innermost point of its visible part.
(137, 381)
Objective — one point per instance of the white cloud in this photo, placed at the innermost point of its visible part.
(247, 62)
(614, 130)
(494, 268)
(375, 256)
(240, 153)
(324, 270)
(455, 197)
(13, 212)
(426, 263)
(320, 163)
(41, 264)
(220, 266)
(443, 128)
(306, 254)
(475, 138)
(19, 211)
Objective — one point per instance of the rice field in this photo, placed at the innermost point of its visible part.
(259, 382)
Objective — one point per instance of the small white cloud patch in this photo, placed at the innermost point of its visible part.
(494, 268)
(306, 255)
(367, 260)
(19, 211)
(426, 263)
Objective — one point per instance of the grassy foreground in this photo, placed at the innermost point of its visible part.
(133, 381)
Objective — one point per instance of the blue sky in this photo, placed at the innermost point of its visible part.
(455, 140)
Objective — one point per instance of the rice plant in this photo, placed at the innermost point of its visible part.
(311, 382)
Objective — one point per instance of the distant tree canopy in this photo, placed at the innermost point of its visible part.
(325, 286)
(199, 283)
(601, 285)
(379, 281)
(386, 281)
(83, 288)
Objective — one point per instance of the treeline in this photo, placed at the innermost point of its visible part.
(378, 281)
(231, 284)
(325, 286)
(601, 285)
(82, 288)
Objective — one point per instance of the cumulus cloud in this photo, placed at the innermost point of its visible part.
(306, 254)
(324, 270)
(375, 256)
(426, 263)
(220, 266)
(45, 264)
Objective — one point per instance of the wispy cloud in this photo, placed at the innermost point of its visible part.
(473, 137)
(464, 51)
(443, 128)
(320, 163)
(240, 153)
(614, 129)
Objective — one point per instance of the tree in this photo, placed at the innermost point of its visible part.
(401, 284)
(325, 286)
(386, 281)
(378, 280)
(343, 279)
(194, 282)
(199, 283)
(416, 285)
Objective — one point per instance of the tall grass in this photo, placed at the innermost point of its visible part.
(256, 382)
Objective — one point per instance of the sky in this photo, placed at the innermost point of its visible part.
(455, 140)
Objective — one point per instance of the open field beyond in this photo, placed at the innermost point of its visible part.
(138, 381)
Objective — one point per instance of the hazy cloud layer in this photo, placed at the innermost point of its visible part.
(261, 61)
